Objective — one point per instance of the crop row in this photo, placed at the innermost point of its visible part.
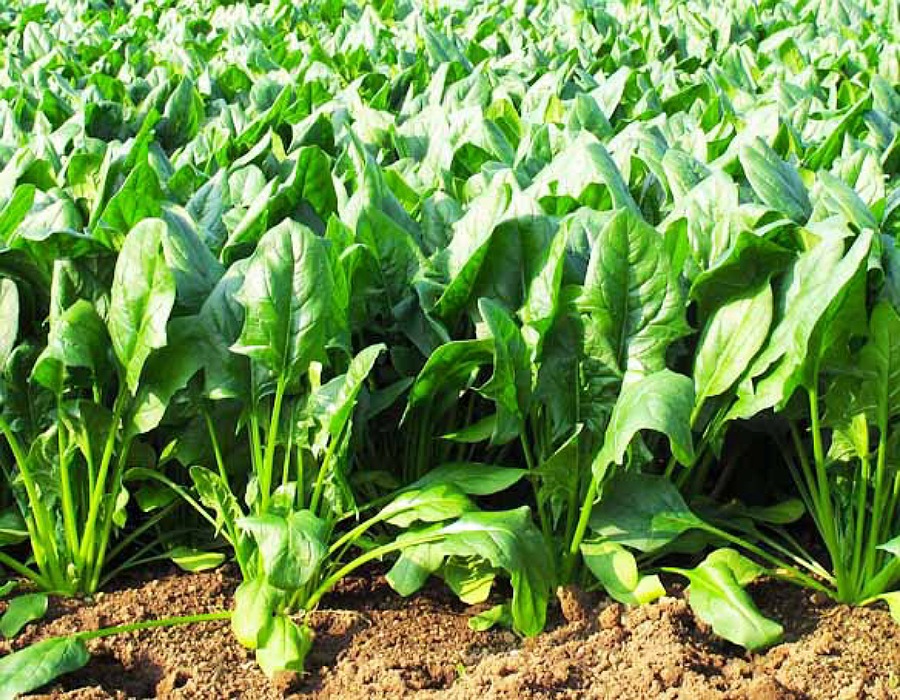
(552, 292)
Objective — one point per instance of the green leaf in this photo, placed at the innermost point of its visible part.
(632, 297)
(143, 294)
(255, 602)
(292, 547)
(498, 615)
(139, 198)
(20, 611)
(661, 402)
(479, 431)
(38, 664)
(470, 580)
(877, 391)
(9, 318)
(716, 595)
(747, 264)
(510, 384)
(893, 602)
(283, 646)
(559, 475)
(449, 368)
(641, 511)
(332, 404)
(15, 210)
(430, 502)
(730, 340)
(291, 310)
(820, 279)
(473, 478)
(509, 541)
(77, 338)
(776, 182)
(194, 560)
(615, 567)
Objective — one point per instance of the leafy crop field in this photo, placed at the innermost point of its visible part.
(511, 296)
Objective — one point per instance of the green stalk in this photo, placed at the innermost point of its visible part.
(878, 503)
(323, 469)
(96, 496)
(214, 441)
(580, 529)
(288, 452)
(106, 523)
(43, 527)
(150, 624)
(857, 565)
(36, 578)
(65, 484)
(265, 476)
(573, 502)
(137, 532)
(825, 505)
(796, 574)
(365, 558)
(535, 485)
(809, 483)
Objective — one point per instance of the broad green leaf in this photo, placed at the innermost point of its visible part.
(750, 261)
(730, 340)
(839, 198)
(479, 431)
(661, 402)
(632, 297)
(255, 602)
(167, 372)
(559, 476)
(139, 198)
(77, 338)
(194, 560)
(15, 210)
(583, 173)
(716, 595)
(143, 294)
(332, 404)
(283, 646)
(776, 182)
(413, 568)
(12, 527)
(292, 547)
(893, 602)
(449, 368)
(39, 664)
(473, 478)
(641, 511)
(431, 501)
(878, 390)
(510, 384)
(615, 568)
(820, 278)
(20, 611)
(290, 305)
(509, 541)
(470, 580)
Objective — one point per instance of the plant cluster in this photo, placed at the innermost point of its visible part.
(553, 292)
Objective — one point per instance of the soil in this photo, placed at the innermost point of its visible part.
(371, 643)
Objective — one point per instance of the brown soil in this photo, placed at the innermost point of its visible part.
(370, 643)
